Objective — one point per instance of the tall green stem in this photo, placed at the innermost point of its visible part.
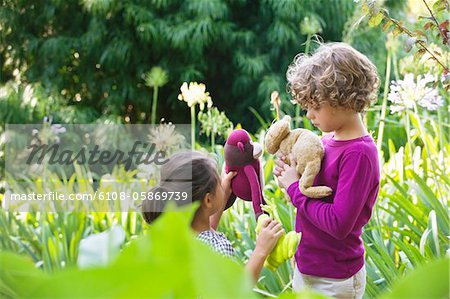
(441, 136)
(408, 136)
(384, 103)
(213, 140)
(427, 148)
(441, 133)
(307, 43)
(154, 104)
(297, 107)
(396, 74)
(193, 127)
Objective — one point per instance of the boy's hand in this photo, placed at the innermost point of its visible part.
(267, 238)
(286, 174)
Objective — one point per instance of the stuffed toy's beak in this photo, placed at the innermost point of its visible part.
(257, 150)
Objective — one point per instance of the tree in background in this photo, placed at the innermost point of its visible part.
(91, 55)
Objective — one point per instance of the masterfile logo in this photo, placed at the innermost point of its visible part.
(87, 166)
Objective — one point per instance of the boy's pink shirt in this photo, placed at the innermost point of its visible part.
(331, 227)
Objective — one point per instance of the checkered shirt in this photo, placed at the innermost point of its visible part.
(218, 242)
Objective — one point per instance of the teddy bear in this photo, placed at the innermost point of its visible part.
(307, 150)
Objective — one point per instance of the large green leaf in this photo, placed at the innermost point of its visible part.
(430, 281)
(18, 276)
(167, 261)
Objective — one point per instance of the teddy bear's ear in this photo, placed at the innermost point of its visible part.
(276, 133)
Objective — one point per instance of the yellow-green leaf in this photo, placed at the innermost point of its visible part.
(387, 25)
(376, 19)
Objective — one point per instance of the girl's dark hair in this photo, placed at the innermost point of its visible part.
(191, 171)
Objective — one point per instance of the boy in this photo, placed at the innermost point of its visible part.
(334, 85)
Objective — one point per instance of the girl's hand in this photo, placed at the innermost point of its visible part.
(268, 236)
(286, 174)
(270, 232)
(226, 182)
(224, 195)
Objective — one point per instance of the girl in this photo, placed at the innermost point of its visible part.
(197, 173)
(334, 85)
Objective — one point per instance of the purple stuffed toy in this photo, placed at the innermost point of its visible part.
(242, 156)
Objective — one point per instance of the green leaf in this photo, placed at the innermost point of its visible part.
(365, 8)
(18, 276)
(429, 281)
(419, 53)
(167, 261)
(387, 25)
(439, 5)
(376, 19)
(397, 30)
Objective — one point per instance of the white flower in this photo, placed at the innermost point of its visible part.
(214, 122)
(107, 180)
(49, 132)
(146, 171)
(406, 93)
(431, 100)
(165, 137)
(195, 94)
(445, 78)
(57, 128)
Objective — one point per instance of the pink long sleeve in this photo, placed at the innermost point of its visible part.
(331, 227)
(338, 218)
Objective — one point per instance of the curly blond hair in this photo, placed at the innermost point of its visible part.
(336, 73)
